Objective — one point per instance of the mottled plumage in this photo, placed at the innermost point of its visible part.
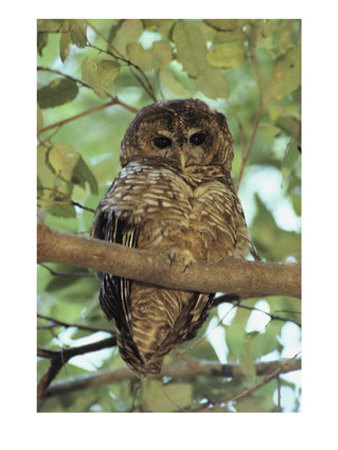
(174, 196)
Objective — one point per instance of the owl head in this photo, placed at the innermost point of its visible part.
(181, 132)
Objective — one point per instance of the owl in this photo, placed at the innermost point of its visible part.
(174, 196)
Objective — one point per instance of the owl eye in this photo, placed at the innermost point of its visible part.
(197, 138)
(162, 142)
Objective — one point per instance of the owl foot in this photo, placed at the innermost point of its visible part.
(182, 257)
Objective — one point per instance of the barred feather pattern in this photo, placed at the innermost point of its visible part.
(188, 213)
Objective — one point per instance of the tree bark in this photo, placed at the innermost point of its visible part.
(234, 276)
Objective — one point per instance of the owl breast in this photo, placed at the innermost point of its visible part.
(193, 212)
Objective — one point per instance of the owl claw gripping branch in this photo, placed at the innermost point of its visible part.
(174, 192)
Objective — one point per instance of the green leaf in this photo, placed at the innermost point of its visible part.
(168, 79)
(231, 36)
(286, 307)
(272, 242)
(297, 204)
(139, 56)
(267, 341)
(52, 25)
(82, 174)
(162, 26)
(212, 83)
(290, 125)
(158, 57)
(59, 210)
(290, 160)
(79, 291)
(277, 36)
(44, 171)
(107, 71)
(69, 165)
(100, 75)
(113, 29)
(239, 343)
(129, 31)
(166, 398)
(190, 46)
(254, 403)
(42, 42)
(229, 54)
(63, 158)
(65, 41)
(78, 32)
(59, 282)
(161, 53)
(39, 119)
(226, 25)
(234, 339)
(58, 92)
(47, 178)
(285, 33)
(246, 360)
(286, 75)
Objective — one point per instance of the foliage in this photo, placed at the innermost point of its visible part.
(92, 78)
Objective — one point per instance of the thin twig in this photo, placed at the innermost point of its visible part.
(66, 196)
(240, 126)
(115, 101)
(61, 202)
(57, 322)
(252, 44)
(250, 143)
(68, 274)
(64, 75)
(272, 316)
(247, 391)
(98, 33)
(49, 137)
(230, 298)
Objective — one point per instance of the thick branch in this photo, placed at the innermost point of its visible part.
(179, 370)
(235, 276)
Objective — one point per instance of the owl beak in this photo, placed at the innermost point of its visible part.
(183, 159)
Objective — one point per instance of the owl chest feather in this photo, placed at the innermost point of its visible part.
(194, 211)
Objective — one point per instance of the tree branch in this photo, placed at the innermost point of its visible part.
(256, 278)
(114, 101)
(61, 357)
(282, 367)
(177, 370)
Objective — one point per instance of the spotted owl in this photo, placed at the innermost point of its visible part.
(174, 196)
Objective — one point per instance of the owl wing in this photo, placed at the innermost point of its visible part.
(107, 227)
(114, 296)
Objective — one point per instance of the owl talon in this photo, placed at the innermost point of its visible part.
(182, 257)
(172, 256)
